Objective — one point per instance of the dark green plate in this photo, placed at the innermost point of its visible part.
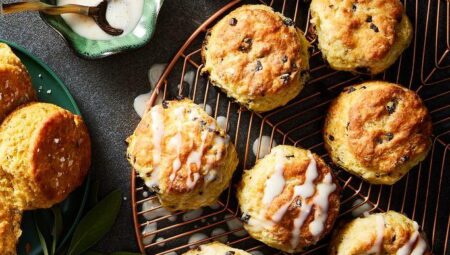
(52, 90)
(93, 49)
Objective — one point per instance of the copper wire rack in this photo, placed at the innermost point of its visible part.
(423, 194)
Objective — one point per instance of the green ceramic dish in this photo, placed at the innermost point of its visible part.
(92, 49)
(44, 81)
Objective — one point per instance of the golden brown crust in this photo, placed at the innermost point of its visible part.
(359, 34)
(181, 153)
(254, 55)
(361, 234)
(378, 130)
(10, 217)
(46, 150)
(15, 83)
(263, 220)
(215, 248)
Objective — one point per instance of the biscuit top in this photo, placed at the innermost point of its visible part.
(388, 125)
(255, 51)
(47, 149)
(215, 248)
(380, 233)
(365, 28)
(300, 197)
(177, 147)
(15, 83)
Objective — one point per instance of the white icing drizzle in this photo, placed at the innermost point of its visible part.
(378, 244)
(196, 158)
(324, 190)
(304, 191)
(264, 148)
(157, 126)
(415, 239)
(177, 142)
(275, 184)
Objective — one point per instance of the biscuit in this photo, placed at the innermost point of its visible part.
(380, 233)
(378, 131)
(215, 248)
(289, 199)
(46, 151)
(182, 154)
(10, 217)
(361, 35)
(15, 83)
(257, 56)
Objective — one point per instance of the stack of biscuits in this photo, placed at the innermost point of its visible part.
(45, 151)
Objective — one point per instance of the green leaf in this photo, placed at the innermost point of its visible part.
(41, 237)
(93, 194)
(93, 253)
(125, 253)
(95, 224)
(57, 227)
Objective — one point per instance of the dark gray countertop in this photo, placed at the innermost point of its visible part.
(105, 89)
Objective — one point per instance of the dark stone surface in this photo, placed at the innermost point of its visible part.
(105, 89)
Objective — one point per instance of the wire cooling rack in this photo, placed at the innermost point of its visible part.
(423, 194)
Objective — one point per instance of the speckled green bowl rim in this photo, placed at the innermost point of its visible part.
(92, 49)
(74, 108)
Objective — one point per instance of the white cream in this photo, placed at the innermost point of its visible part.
(121, 14)
(222, 122)
(415, 239)
(378, 244)
(141, 102)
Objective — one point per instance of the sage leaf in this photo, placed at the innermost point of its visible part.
(57, 227)
(93, 194)
(124, 253)
(40, 236)
(95, 224)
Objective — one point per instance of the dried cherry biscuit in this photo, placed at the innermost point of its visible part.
(15, 83)
(215, 248)
(377, 130)
(361, 35)
(257, 56)
(380, 233)
(46, 151)
(182, 154)
(289, 199)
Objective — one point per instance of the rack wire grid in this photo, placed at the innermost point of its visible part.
(422, 195)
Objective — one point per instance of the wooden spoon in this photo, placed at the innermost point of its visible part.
(98, 13)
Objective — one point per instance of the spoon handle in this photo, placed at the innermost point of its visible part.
(43, 7)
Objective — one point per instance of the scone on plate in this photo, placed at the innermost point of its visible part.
(215, 248)
(182, 154)
(379, 233)
(289, 199)
(10, 217)
(46, 151)
(377, 130)
(361, 36)
(257, 56)
(15, 83)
